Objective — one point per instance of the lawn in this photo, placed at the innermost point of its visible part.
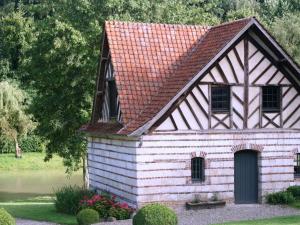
(34, 177)
(287, 220)
(38, 210)
(29, 161)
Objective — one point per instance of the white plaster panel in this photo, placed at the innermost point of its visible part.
(254, 60)
(179, 120)
(262, 66)
(238, 70)
(217, 75)
(227, 70)
(240, 50)
(166, 125)
(252, 48)
(189, 116)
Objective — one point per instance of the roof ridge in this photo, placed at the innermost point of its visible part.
(155, 24)
(232, 22)
(177, 24)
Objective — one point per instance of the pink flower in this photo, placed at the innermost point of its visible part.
(124, 205)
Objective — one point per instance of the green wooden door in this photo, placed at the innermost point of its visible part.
(245, 177)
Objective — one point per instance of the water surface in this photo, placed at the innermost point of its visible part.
(25, 184)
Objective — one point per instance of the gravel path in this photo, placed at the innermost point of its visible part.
(30, 222)
(226, 214)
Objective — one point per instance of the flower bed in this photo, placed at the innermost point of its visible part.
(107, 206)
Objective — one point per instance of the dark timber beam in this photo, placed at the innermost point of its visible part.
(246, 82)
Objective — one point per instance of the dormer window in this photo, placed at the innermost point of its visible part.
(271, 99)
(112, 91)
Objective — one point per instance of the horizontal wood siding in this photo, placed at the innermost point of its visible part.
(163, 163)
(112, 167)
(157, 168)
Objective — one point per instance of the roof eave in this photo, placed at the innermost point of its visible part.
(277, 46)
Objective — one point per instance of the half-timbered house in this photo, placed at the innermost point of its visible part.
(184, 110)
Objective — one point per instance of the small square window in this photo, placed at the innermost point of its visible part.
(197, 169)
(220, 100)
(271, 99)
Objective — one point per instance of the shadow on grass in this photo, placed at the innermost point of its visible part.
(40, 211)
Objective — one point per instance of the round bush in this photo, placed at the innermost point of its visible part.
(6, 218)
(281, 197)
(295, 190)
(155, 214)
(87, 217)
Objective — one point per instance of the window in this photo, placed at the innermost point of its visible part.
(197, 169)
(112, 90)
(220, 99)
(297, 166)
(271, 99)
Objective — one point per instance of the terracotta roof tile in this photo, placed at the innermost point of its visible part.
(153, 62)
(143, 56)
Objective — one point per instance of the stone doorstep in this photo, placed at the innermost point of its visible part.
(205, 205)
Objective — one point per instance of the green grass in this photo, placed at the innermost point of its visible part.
(296, 204)
(287, 220)
(39, 211)
(29, 161)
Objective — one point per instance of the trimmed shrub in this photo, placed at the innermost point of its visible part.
(295, 191)
(32, 143)
(87, 217)
(155, 214)
(68, 198)
(6, 218)
(281, 197)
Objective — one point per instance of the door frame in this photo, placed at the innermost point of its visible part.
(258, 156)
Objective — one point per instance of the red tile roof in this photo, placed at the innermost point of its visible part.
(153, 62)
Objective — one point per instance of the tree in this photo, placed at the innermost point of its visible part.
(63, 66)
(287, 32)
(64, 58)
(14, 121)
(16, 35)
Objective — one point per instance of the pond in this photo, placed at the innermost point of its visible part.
(26, 184)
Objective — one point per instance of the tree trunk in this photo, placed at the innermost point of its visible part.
(17, 5)
(85, 173)
(18, 149)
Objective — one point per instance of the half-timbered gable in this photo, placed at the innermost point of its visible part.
(196, 112)
(111, 109)
(181, 110)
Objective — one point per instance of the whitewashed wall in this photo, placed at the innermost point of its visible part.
(163, 163)
(157, 168)
(112, 167)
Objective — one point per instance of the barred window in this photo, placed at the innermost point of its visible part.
(271, 98)
(197, 169)
(297, 165)
(220, 99)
